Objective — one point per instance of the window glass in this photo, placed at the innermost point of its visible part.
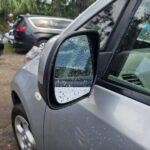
(131, 65)
(58, 24)
(42, 23)
(19, 22)
(105, 21)
(50, 23)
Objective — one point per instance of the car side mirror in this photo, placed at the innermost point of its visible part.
(70, 69)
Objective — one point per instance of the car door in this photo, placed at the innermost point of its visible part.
(115, 116)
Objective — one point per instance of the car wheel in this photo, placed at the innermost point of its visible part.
(41, 44)
(22, 130)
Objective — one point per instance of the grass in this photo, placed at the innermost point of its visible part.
(10, 49)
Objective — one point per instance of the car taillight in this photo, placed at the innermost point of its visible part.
(21, 28)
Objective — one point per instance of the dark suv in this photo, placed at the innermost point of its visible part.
(33, 30)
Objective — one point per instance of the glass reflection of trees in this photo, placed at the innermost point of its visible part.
(105, 21)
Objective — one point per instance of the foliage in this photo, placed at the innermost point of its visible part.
(3, 25)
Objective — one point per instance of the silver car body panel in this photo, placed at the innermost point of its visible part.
(105, 120)
(25, 86)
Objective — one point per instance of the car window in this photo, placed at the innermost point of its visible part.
(50, 23)
(131, 65)
(58, 24)
(19, 22)
(43, 23)
(105, 21)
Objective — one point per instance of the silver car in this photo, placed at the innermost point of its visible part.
(90, 88)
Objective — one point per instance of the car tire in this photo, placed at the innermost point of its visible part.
(22, 130)
(41, 44)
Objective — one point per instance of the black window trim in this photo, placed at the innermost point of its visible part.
(120, 88)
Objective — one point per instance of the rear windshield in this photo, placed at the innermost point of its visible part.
(50, 23)
(19, 22)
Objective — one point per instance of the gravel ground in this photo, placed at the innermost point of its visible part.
(9, 63)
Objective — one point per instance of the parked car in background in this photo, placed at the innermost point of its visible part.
(11, 36)
(89, 90)
(33, 53)
(1, 36)
(34, 30)
(1, 43)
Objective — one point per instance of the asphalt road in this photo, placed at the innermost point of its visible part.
(9, 63)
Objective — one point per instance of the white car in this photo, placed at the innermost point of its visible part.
(34, 52)
(9, 37)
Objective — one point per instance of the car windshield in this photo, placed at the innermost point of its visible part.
(50, 23)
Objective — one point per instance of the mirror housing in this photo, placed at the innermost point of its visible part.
(47, 66)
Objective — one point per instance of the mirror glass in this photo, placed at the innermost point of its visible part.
(73, 69)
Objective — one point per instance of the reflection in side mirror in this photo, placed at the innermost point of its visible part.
(73, 73)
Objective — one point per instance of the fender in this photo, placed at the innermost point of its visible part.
(25, 86)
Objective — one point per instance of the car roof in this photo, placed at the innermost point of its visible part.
(42, 16)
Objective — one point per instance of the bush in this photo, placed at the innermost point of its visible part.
(3, 26)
